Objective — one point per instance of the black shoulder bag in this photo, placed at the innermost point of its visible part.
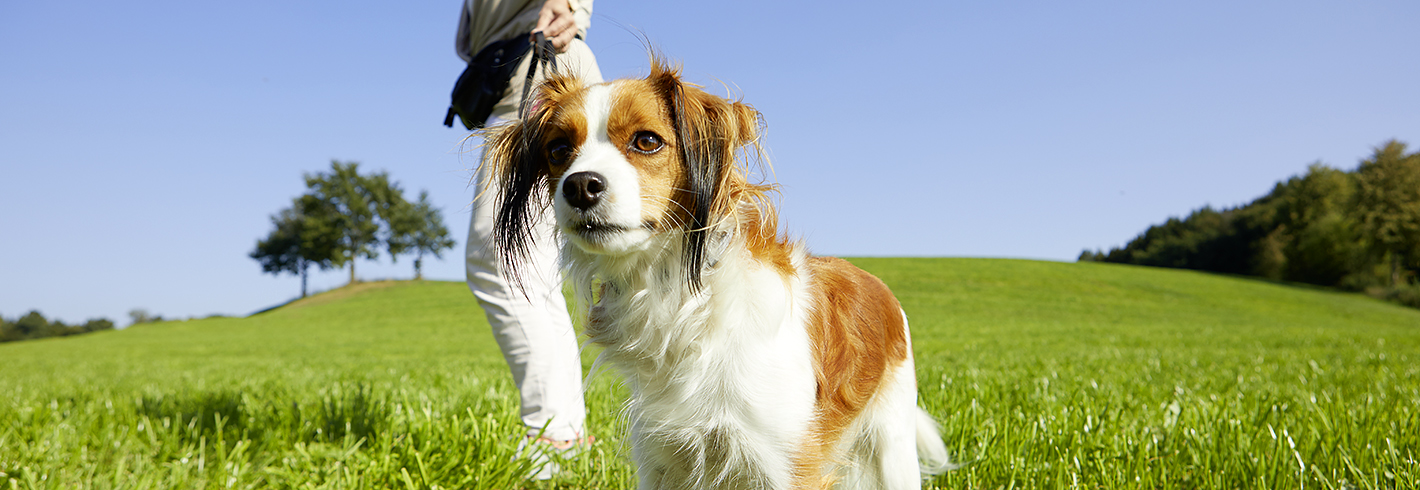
(482, 84)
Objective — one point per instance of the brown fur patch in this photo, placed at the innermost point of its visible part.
(637, 107)
(857, 332)
(759, 226)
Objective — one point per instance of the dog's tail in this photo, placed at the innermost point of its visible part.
(932, 455)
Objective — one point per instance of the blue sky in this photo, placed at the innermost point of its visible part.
(143, 145)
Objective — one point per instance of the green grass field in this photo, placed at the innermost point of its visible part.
(1044, 375)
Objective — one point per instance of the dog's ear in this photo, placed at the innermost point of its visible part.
(708, 132)
(518, 173)
(748, 123)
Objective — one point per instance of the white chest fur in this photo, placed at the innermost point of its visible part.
(722, 380)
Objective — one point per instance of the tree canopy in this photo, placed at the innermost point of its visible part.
(1388, 204)
(300, 237)
(425, 232)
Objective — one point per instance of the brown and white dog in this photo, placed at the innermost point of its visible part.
(752, 364)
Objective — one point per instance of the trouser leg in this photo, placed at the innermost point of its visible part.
(531, 325)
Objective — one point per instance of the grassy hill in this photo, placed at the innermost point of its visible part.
(1043, 375)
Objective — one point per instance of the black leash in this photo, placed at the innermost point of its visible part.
(543, 53)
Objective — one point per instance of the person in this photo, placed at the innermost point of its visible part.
(531, 325)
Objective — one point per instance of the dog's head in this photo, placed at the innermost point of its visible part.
(621, 163)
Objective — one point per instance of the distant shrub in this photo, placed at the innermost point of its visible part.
(1408, 295)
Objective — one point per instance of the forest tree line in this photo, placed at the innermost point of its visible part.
(34, 325)
(1353, 230)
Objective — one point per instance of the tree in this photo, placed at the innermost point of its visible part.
(32, 326)
(422, 229)
(396, 214)
(281, 251)
(1388, 203)
(300, 238)
(140, 315)
(356, 206)
(1323, 245)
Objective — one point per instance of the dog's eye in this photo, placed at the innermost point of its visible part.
(559, 151)
(646, 142)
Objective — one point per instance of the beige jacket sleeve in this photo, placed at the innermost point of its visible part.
(582, 15)
(484, 22)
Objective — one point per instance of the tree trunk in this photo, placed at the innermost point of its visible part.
(304, 268)
(1395, 269)
(354, 255)
(418, 259)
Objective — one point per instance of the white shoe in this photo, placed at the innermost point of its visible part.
(538, 449)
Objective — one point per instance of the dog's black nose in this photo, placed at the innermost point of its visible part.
(583, 189)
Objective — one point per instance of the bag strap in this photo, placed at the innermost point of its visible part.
(542, 52)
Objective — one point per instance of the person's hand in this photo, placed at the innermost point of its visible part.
(556, 23)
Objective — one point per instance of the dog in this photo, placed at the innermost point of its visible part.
(752, 364)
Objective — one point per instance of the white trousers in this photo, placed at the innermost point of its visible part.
(531, 325)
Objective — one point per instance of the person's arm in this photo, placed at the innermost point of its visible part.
(561, 20)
